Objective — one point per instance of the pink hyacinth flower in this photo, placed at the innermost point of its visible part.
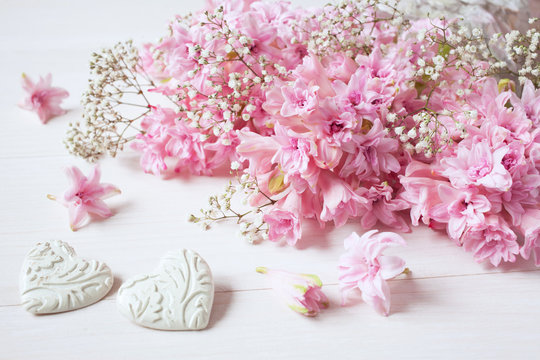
(459, 208)
(85, 196)
(300, 292)
(42, 98)
(283, 224)
(478, 165)
(530, 227)
(364, 266)
(491, 240)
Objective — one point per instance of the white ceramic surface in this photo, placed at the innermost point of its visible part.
(177, 296)
(54, 279)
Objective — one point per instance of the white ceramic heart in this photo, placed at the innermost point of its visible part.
(177, 296)
(54, 279)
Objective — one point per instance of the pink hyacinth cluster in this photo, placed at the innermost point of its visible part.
(349, 112)
(484, 190)
(216, 67)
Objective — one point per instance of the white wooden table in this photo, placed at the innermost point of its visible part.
(449, 307)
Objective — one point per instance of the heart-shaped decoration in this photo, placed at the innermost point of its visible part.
(54, 279)
(177, 296)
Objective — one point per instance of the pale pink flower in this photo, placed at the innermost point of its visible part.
(339, 201)
(42, 98)
(492, 240)
(295, 155)
(299, 99)
(259, 150)
(492, 106)
(356, 93)
(420, 190)
(284, 219)
(312, 71)
(185, 147)
(339, 66)
(460, 209)
(153, 153)
(363, 266)
(339, 129)
(85, 196)
(371, 153)
(300, 292)
(478, 164)
(153, 142)
(530, 100)
(283, 224)
(384, 208)
(530, 227)
(524, 192)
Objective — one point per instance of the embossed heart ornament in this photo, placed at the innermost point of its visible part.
(177, 296)
(54, 279)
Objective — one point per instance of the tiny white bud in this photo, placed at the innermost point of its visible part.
(235, 165)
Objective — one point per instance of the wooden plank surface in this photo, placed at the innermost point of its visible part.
(448, 307)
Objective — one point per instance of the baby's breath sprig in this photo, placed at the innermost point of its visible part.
(349, 26)
(522, 50)
(114, 101)
(446, 48)
(252, 226)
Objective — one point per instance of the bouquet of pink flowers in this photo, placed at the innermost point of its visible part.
(349, 111)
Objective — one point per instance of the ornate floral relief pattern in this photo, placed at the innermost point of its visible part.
(54, 279)
(178, 296)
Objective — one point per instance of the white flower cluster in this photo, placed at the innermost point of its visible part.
(104, 129)
(523, 50)
(234, 105)
(346, 26)
(252, 227)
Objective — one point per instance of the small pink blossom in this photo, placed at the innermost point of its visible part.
(459, 208)
(283, 224)
(85, 196)
(530, 227)
(153, 142)
(295, 155)
(339, 201)
(42, 98)
(530, 100)
(363, 266)
(300, 99)
(492, 240)
(420, 190)
(371, 153)
(478, 164)
(384, 208)
(284, 219)
(300, 292)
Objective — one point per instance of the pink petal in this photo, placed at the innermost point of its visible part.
(77, 215)
(99, 208)
(376, 293)
(391, 266)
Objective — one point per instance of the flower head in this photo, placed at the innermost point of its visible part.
(301, 292)
(43, 98)
(530, 227)
(85, 196)
(364, 267)
(491, 240)
(283, 224)
(478, 165)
